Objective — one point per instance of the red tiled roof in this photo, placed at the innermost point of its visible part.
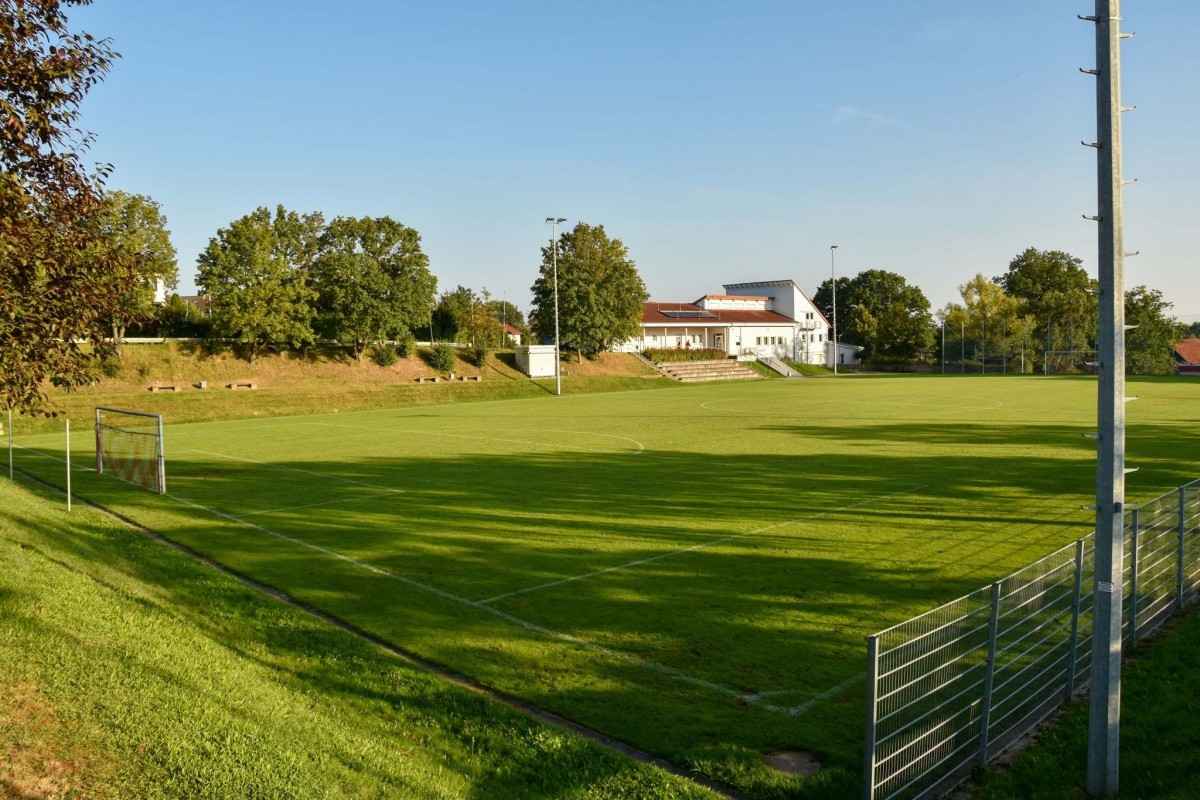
(509, 329)
(733, 297)
(652, 315)
(1189, 350)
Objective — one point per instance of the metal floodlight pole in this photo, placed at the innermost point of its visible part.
(833, 285)
(943, 347)
(554, 223)
(1105, 702)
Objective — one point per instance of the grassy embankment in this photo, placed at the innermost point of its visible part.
(130, 670)
(323, 382)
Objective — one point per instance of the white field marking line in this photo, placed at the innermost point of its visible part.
(297, 469)
(810, 702)
(641, 447)
(709, 543)
(326, 503)
(530, 626)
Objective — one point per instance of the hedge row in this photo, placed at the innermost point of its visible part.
(685, 354)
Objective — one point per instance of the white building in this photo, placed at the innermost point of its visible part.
(751, 319)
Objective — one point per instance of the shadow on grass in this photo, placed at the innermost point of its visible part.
(675, 600)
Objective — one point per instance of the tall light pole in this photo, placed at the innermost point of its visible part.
(833, 285)
(554, 223)
(1104, 723)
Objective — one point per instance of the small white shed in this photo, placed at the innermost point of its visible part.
(536, 360)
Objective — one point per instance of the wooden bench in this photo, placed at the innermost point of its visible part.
(164, 387)
(426, 380)
(474, 377)
(243, 385)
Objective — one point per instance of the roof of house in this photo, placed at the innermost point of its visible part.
(1188, 350)
(690, 313)
(733, 297)
(510, 330)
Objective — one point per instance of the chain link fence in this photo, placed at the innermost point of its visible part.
(957, 685)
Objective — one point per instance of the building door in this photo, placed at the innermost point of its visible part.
(719, 341)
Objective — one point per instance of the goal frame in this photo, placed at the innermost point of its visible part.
(160, 471)
(1046, 354)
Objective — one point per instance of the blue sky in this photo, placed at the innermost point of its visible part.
(720, 141)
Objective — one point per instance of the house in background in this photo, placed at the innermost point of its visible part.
(1187, 357)
(762, 318)
(512, 335)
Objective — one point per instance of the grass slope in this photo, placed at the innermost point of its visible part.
(692, 571)
(129, 670)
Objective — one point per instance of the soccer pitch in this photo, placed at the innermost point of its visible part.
(692, 570)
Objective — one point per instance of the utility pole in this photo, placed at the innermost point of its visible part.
(554, 223)
(1104, 722)
(833, 285)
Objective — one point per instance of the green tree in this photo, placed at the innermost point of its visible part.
(1148, 348)
(884, 314)
(601, 296)
(256, 274)
(1192, 331)
(1053, 288)
(823, 300)
(60, 282)
(137, 230)
(372, 280)
(451, 314)
(508, 314)
(482, 328)
(985, 317)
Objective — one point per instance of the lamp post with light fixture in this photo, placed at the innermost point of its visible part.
(554, 223)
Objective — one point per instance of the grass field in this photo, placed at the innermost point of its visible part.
(691, 571)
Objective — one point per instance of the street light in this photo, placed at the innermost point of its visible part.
(833, 283)
(554, 223)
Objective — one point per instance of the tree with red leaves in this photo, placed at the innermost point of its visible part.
(61, 276)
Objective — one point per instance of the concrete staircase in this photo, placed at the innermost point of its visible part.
(726, 369)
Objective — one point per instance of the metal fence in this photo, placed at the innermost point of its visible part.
(958, 684)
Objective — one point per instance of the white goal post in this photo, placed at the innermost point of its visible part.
(1056, 362)
(129, 446)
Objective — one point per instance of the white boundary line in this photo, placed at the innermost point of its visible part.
(296, 469)
(747, 697)
(709, 543)
(315, 505)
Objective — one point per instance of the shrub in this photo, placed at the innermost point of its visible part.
(444, 357)
(685, 354)
(481, 354)
(406, 345)
(385, 355)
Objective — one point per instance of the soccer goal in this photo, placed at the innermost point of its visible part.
(129, 445)
(1070, 362)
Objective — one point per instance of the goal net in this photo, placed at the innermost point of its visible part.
(1070, 362)
(129, 445)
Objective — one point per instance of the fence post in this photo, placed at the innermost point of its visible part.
(99, 447)
(872, 715)
(1182, 554)
(993, 624)
(1072, 655)
(1133, 577)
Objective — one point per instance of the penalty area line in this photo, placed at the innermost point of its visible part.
(710, 543)
(617, 655)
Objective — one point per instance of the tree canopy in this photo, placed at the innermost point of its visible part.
(372, 281)
(256, 274)
(1053, 289)
(880, 311)
(601, 296)
(1148, 346)
(60, 283)
(137, 231)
